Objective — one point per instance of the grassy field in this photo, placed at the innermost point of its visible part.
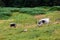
(28, 21)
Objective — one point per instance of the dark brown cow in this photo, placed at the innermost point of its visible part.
(13, 25)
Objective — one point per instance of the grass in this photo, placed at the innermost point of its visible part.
(28, 21)
(55, 8)
(5, 12)
(23, 18)
(43, 33)
(33, 11)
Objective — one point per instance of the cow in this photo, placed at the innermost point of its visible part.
(43, 21)
(13, 25)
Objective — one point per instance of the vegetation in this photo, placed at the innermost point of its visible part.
(55, 8)
(6, 12)
(26, 19)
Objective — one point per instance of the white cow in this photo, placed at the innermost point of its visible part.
(43, 21)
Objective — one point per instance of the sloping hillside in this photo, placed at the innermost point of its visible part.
(27, 21)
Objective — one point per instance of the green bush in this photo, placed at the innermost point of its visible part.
(5, 15)
(55, 8)
(6, 12)
(33, 11)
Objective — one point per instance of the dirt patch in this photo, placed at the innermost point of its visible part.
(39, 16)
(2, 21)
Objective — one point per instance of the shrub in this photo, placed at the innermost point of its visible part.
(15, 10)
(5, 15)
(33, 11)
(55, 8)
